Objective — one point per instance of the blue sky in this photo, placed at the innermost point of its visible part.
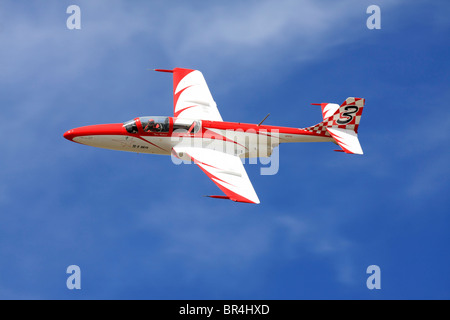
(323, 219)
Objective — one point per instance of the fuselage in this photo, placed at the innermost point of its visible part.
(158, 135)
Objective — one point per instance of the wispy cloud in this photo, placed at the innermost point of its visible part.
(254, 36)
(262, 36)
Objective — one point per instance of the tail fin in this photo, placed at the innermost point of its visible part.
(342, 122)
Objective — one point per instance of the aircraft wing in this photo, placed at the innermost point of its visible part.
(191, 96)
(225, 170)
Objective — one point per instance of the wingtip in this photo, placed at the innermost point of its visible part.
(218, 197)
(163, 70)
(233, 199)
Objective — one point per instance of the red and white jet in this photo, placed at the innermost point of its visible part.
(197, 133)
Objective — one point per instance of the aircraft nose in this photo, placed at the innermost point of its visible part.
(95, 130)
(69, 135)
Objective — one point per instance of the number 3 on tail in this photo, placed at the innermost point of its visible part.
(350, 110)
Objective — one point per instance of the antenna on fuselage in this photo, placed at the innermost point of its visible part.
(263, 119)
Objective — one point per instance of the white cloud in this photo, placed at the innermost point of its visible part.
(257, 36)
(262, 35)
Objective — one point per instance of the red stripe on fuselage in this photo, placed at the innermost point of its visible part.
(263, 129)
(149, 142)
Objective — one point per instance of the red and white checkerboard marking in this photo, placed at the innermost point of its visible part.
(331, 122)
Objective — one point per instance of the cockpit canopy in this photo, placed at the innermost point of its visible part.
(191, 126)
(162, 125)
(148, 124)
(155, 124)
(131, 126)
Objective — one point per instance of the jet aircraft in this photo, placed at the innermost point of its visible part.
(197, 133)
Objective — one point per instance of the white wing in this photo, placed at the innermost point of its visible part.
(191, 96)
(225, 170)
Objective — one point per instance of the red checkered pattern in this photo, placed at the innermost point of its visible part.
(321, 128)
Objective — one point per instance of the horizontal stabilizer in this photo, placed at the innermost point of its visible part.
(346, 139)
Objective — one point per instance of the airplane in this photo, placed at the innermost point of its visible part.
(197, 133)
